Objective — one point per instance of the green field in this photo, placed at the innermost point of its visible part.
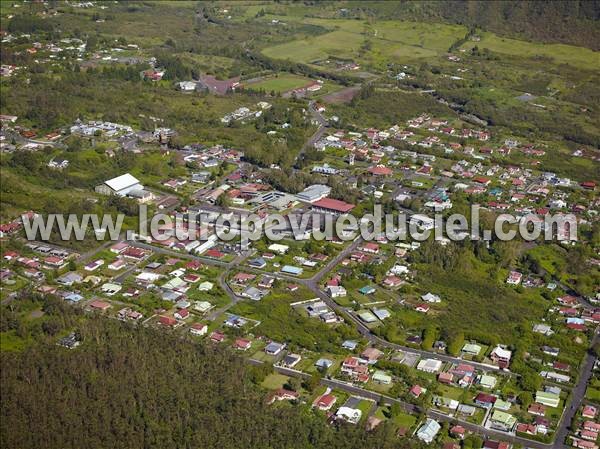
(393, 40)
(280, 84)
(399, 41)
(560, 53)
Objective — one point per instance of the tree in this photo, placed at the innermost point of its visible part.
(530, 381)
(429, 336)
(313, 382)
(293, 384)
(525, 398)
(395, 409)
(455, 343)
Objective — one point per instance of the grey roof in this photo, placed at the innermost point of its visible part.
(325, 363)
(349, 344)
(382, 314)
(69, 278)
(273, 347)
(254, 293)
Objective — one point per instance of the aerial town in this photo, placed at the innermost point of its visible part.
(111, 108)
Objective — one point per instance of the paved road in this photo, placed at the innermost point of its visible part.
(84, 257)
(313, 285)
(222, 280)
(23, 140)
(323, 124)
(366, 332)
(414, 409)
(314, 281)
(179, 254)
(119, 279)
(577, 396)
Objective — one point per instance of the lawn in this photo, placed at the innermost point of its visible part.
(263, 356)
(380, 388)
(274, 381)
(365, 406)
(450, 392)
(138, 26)
(404, 420)
(215, 65)
(310, 367)
(593, 391)
(593, 394)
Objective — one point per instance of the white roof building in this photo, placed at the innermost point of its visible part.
(430, 297)
(314, 192)
(121, 185)
(187, 85)
(278, 248)
(501, 353)
(429, 365)
(351, 415)
(428, 431)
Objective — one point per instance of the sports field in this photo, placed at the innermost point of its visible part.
(282, 83)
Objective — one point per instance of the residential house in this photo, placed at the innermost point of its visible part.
(501, 356)
(274, 348)
(355, 368)
(548, 399)
(283, 394)
(417, 390)
(485, 400)
(182, 314)
(428, 431)
(102, 306)
(199, 329)
(217, 336)
(381, 377)
(429, 365)
(349, 415)
(291, 360)
(537, 409)
(242, 344)
(514, 278)
(325, 402)
(458, 432)
(502, 421)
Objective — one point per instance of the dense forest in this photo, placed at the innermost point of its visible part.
(128, 387)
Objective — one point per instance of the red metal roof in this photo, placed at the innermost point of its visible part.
(336, 205)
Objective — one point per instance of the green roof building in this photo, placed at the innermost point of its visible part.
(548, 399)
